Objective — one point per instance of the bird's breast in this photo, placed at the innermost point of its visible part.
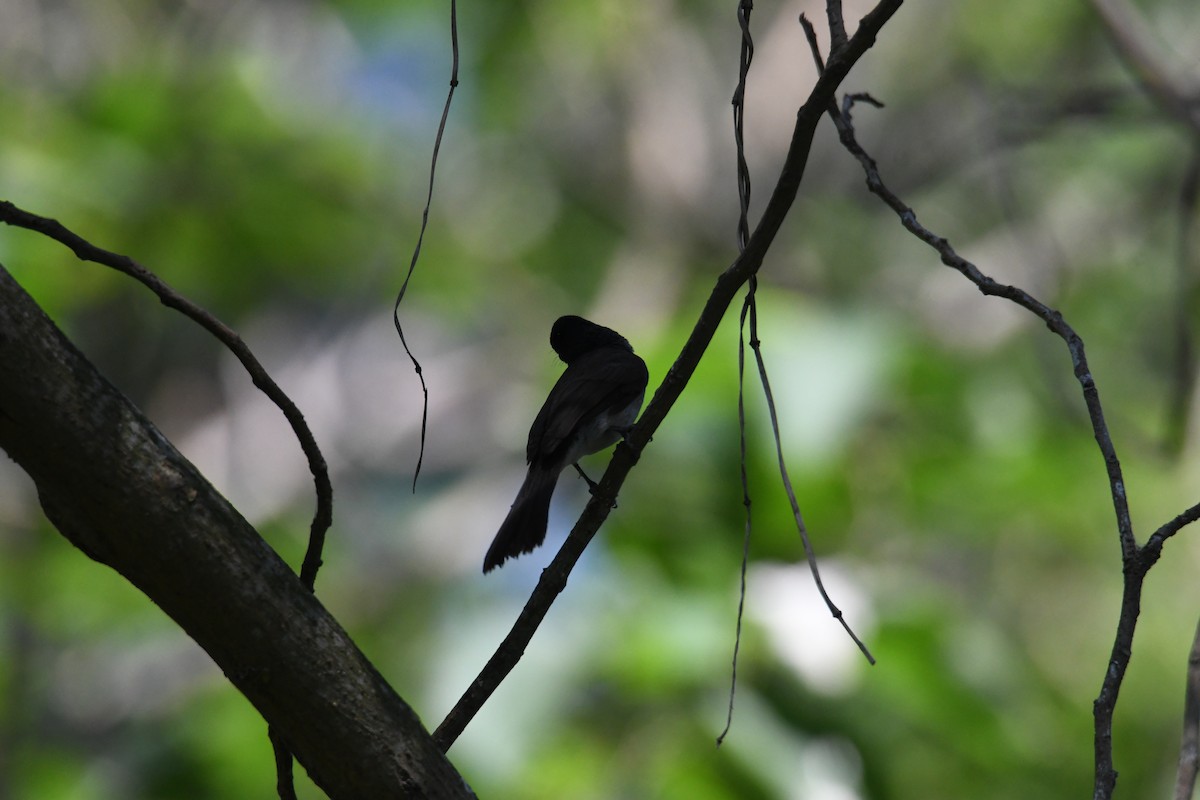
(604, 430)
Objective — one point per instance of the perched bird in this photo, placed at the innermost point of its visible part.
(591, 407)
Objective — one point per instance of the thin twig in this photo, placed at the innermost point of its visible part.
(988, 286)
(745, 7)
(86, 251)
(810, 34)
(1134, 573)
(743, 235)
(746, 503)
(1168, 529)
(750, 309)
(1136, 562)
(554, 578)
(1142, 54)
(412, 264)
(809, 553)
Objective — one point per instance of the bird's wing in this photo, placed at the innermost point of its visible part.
(604, 380)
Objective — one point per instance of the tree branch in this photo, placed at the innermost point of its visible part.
(554, 577)
(118, 490)
(1136, 561)
(86, 251)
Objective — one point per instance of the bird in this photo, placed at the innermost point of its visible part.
(592, 406)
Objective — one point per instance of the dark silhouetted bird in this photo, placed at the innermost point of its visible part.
(591, 407)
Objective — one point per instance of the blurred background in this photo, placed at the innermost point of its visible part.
(270, 160)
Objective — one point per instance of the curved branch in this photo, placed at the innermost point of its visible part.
(86, 251)
(1135, 561)
(117, 489)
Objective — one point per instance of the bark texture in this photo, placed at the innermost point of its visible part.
(118, 490)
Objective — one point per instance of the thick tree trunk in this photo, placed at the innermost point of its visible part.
(117, 489)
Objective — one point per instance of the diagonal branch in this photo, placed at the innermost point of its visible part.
(86, 251)
(118, 490)
(989, 286)
(323, 517)
(554, 577)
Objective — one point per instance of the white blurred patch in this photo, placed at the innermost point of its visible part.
(785, 601)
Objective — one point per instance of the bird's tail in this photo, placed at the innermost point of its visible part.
(525, 526)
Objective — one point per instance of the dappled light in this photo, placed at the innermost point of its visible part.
(270, 161)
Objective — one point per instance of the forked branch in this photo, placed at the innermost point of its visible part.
(554, 577)
(1136, 561)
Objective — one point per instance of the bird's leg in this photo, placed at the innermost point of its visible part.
(592, 485)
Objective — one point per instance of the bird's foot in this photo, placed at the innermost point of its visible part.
(592, 485)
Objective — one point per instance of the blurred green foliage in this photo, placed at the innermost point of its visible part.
(270, 160)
